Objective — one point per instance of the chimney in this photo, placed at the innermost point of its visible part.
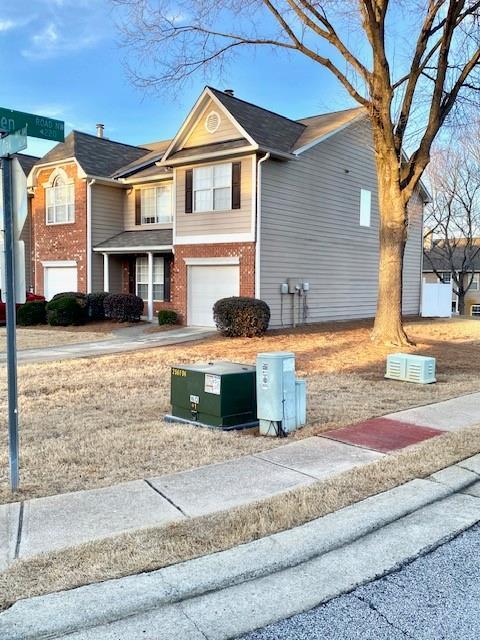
(229, 92)
(100, 128)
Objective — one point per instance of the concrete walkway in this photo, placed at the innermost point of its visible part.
(65, 520)
(124, 339)
(227, 594)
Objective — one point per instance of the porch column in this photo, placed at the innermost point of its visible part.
(150, 287)
(106, 273)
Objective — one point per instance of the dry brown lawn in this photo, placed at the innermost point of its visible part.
(39, 337)
(94, 422)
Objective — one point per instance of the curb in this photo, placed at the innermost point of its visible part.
(184, 591)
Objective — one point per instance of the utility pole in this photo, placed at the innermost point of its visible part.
(11, 322)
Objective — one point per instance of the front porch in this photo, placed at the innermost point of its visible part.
(143, 268)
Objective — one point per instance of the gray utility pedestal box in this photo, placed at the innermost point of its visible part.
(214, 394)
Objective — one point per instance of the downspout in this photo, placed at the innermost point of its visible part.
(259, 219)
(90, 183)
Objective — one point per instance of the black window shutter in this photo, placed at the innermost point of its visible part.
(189, 191)
(138, 206)
(236, 184)
(167, 278)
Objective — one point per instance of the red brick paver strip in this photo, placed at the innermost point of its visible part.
(382, 434)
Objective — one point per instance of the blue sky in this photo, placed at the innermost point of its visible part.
(62, 58)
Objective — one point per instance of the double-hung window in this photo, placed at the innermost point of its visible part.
(446, 277)
(156, 204)
(475, 286)
(212, 188)
(475, 310)
(60, 202)
(142, 277)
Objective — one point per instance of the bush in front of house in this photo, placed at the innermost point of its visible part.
(95, 305)
(32, 313)
(81, 298)
(240, 316)
(65, 311)
(123, 307)
(167, 316)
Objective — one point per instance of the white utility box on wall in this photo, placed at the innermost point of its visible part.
(281, 399)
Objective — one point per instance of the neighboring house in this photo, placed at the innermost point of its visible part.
(437, 268)
(242, 201)
(22, 165)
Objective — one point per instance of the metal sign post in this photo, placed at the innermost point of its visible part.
(11, 322)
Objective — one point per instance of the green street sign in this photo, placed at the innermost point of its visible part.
(13, 142)
(37, 126)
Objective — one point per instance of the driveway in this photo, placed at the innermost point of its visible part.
(125, 339)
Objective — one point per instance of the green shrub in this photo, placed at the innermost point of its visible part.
(62, 312)
(167, 316)
(32, 313)
(95, 306)
(239, 316)
(123, 307)
(81, 298)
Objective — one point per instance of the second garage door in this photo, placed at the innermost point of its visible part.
(58, 280)
(206, 285)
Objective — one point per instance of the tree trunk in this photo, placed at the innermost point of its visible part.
(388, 327)
(461, 302)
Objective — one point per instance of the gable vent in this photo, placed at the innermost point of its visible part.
(212, 122)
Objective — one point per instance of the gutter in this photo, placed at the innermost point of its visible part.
(259, 218)
(90, 183)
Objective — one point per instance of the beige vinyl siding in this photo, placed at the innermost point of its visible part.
(311, 230)
(413, 259)
(107, 221)
(129, 208)
(216, 222)
(199, 134)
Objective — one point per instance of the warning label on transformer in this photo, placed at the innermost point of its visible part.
(212, 384)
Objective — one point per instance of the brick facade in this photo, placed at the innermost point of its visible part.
(59, 241)
(245, 251)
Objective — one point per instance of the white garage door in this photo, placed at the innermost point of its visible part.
(206, 285)
(59, 279)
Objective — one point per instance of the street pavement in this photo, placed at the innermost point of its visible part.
(436, 597)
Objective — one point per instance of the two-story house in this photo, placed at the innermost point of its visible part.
(242, 201)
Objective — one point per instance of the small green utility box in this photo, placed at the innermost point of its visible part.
(214, 394)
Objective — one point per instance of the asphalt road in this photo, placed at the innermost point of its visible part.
(436, 597)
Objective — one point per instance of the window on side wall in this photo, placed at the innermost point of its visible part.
(475, 310)
(446, 277)
(142, 278)
(365, 208)
(60, 201)
(212, 188)
(156, 205)
(475, 286)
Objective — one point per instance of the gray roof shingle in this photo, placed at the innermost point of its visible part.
(97, 156)
(270, 130)
(26, 162)
(143, 238)
(438, 259)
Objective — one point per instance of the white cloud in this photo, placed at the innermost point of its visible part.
(52, 42)
(6, 25)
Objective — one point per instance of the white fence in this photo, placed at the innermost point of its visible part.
(436, 300)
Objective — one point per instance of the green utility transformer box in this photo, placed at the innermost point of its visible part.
(214, 394)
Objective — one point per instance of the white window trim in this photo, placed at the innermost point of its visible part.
(59, 263)
(476, 280)
(153, 281)
(365, 208)
(157, 186)
(472, 307)
(212, 188)
(59, 173)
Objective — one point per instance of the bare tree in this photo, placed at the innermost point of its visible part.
(452, 223)
(407, 96)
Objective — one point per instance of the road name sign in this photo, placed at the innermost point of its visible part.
(37, 126)
(13, 142)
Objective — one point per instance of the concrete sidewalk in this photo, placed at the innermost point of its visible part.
(124, 340)
(66, 520)
(227, 594)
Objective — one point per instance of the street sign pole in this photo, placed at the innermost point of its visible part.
(11, 322)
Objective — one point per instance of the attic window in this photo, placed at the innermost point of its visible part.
(212, 122)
